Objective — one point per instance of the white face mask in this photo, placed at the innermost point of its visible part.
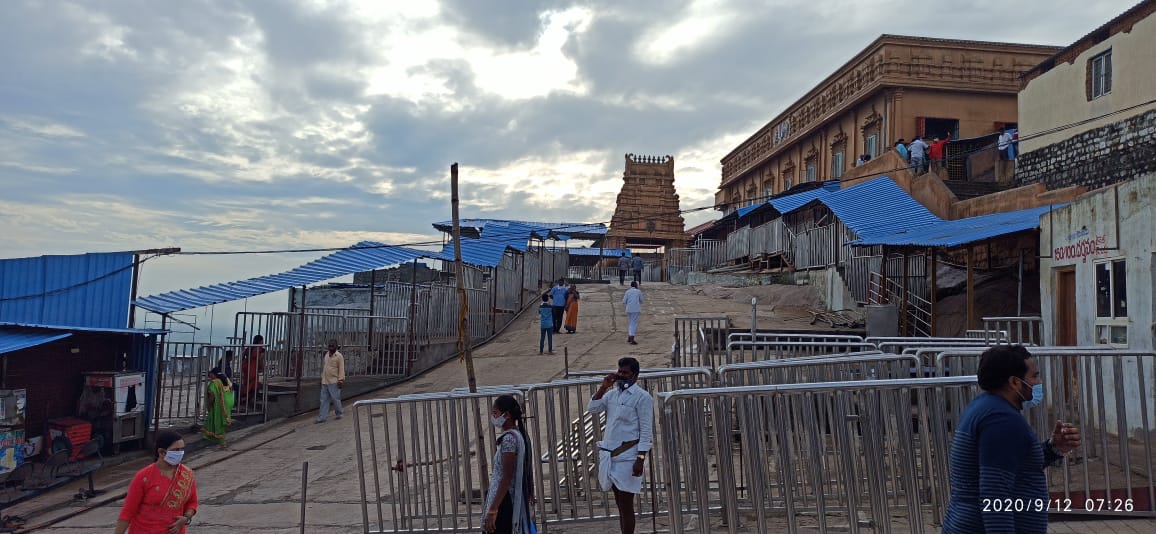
(174, 457)
(498, 421)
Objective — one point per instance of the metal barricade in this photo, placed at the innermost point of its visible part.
(567, 484)
(423, 460)
(696, 339)
(1017, 329)
(833, 368)
(1109, 395)
(183, 380)
(250, 380)
(792, 336)
(745, 351)
(869, 454)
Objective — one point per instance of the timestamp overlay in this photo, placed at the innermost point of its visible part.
(1057, 505)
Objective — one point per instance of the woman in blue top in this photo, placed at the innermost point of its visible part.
(546, 316)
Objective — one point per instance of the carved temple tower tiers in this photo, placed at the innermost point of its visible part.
(647, 214)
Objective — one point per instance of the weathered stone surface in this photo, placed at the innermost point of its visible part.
(1097, 158)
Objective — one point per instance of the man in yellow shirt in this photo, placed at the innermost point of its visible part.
(332, 378)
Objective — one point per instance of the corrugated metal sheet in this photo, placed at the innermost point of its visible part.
(606, 253)
(876, 208)
(14, 339)
(484, 252)
(541, 230)
(81, 290)
(787, 203)
(141, 331)
(963, 231)
(364, 256)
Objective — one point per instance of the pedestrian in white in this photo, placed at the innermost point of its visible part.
(633, 301)
(627, 439)
(332, 379)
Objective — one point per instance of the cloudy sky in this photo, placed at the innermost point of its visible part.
(243, 124)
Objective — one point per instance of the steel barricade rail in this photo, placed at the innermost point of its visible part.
(746, 351)
(696, 339)
(848, 455)
(567, 486)
(792, 336)
(435, 449)
(835, 368)
(1109, 395)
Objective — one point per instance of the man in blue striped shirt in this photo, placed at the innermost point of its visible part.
(997, 462)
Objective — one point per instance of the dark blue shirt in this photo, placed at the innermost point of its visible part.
(998, 483)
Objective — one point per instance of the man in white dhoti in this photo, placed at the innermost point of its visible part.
(627, 438)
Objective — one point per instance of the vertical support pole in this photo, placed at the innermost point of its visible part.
(970, 288)
(160, 370)
(304, 488)
(494, 298)
(300, 352)
(521, 281)
(933, 266)
(598, 264)
(905, 322)
(372, 307)
(463, 298)
(754, 319)
(411, 341)
(883, 276)
(1020, 289)
(135, 285)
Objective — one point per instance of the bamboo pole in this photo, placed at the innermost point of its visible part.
(463, 299)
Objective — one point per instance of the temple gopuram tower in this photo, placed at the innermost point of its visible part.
(647, 214)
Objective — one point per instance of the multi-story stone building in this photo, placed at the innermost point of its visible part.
(896, 88)
(1088, 114)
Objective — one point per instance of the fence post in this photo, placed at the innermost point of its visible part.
(304, 488)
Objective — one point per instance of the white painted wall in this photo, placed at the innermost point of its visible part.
(1058, 97)
(1068, 237)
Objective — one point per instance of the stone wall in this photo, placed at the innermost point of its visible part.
(1096, 158)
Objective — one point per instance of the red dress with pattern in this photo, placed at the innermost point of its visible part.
(154, 501)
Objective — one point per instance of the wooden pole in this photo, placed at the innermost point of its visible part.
(970, 288)
(411, 330)
(463, 299)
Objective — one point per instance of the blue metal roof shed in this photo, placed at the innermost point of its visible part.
(13, 339)
(786, 203)
(876, 208)
(542, 230)
(959, 232)
(364, 256)
(90, 290)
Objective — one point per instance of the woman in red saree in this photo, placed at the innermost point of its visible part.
(252, 365)
(162, 498)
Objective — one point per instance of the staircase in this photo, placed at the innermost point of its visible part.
(964, 190)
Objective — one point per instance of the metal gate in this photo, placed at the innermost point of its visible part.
(697, 340)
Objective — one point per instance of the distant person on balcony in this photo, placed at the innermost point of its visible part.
(558, 301)
(901, 148)
(997, 462)
(1004, 145)
(332, 380)
(252, 365)
(918, 150)
(632, 299)
(939, 150)
(863, 160)
(546, 322)
(623, 266)
(636, 264)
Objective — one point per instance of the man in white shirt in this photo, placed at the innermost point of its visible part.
(633, 301)
(918, 150)
(1005, 140)
(627, 439)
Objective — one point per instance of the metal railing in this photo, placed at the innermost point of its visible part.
(422, 459)
(697, 340)
(739, 243)
(1016, 329)
(1109, 395)
(845, 455)
(792, 336)
(746, 351)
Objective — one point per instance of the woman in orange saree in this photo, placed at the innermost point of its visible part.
(571, 322)
(252, 365)
(162, 497)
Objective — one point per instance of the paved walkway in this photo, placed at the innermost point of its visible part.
(255, 486)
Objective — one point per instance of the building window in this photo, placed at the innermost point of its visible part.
(1112, 302)
(1100, 75)
(768, 188)
(837, 165)
(811, 170)
(871, 145)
